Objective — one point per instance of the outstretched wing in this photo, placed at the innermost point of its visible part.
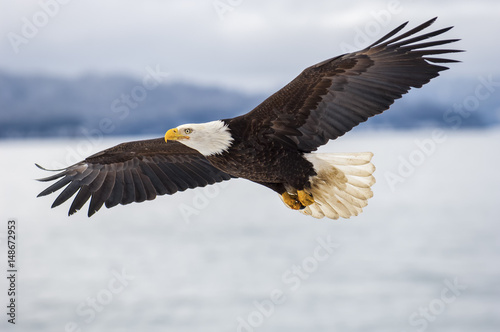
(133, 172)
(328, 99)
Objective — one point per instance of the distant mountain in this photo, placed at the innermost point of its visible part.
(40, 106)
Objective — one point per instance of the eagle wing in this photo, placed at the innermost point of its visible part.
(330, 98)
(132, 172)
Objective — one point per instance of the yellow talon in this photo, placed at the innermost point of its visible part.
(291, 201)
(305, 198)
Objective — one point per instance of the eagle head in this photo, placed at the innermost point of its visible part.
(208, 138)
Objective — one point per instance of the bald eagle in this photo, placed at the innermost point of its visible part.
(274, 144)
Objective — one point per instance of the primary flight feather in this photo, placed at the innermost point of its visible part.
(274, 144)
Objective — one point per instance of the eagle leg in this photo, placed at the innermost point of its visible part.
(305, 198)
(291, 201)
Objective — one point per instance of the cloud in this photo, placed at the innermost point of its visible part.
(256, 46)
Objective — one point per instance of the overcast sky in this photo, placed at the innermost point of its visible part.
(253, 45)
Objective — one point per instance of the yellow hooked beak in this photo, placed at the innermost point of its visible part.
(173, 134)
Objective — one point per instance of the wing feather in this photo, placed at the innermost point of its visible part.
(99, 197)
(147, 170)
(69, 191)
(117, 192)
(330, 98)
(80, 199)
(165, 180)
(132, 172)
(129, 188)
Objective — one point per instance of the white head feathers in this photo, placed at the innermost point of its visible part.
(208, 138)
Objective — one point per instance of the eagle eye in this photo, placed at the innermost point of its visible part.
(188, 131)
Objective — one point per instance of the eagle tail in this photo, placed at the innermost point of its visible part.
(341, 187)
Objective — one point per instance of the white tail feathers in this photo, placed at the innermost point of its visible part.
(341, 187)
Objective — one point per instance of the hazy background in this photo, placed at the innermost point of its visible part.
(130, 67)
(202, 259)
(257, 46)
